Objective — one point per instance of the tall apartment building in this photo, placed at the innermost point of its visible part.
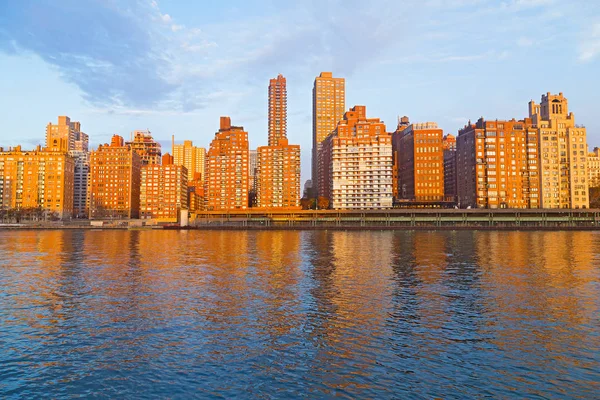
(403, 123)
(191, 157)
(115, 173)
(420, 162)
(163, 191)
(356, 163)
(227, 169)
(81, 183)
(37, 179)
(252, 177)
(278, 164)
(449, 149)
(68, 131)
(277, 110)
(329, 105)
(593, 161)
(563, 153)
(497, 165)
(278, 176)
(146, 147)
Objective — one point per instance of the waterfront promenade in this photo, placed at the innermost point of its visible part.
(397, 219)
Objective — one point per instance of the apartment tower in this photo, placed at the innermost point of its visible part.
(164, 190)
(115, 173)
(449, 149)
(191, 157)
(420, 163)
(563, 153)
(356, 163)
(278, 164)
(68, 130)
(38, 179)
(227, 169)
(329, 105)
(497, 165)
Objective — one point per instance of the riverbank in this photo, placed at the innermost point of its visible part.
(414, 219)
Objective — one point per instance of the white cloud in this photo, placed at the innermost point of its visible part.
(590, 46)
(525, 42)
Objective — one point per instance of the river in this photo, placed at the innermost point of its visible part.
(285, 314)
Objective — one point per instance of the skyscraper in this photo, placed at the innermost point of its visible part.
(40, 179)
(449, 148)
(329, 105)
(227, 169)
(164, 190)
(191, 157)
(68, 131)
(277, 110)
(421, 163)
(356, 163)
(563, 153)
(278, 164)
(115, 181)
(496, 165)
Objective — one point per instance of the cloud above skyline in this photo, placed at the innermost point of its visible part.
(131, 55)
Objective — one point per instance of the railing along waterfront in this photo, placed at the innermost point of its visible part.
(531, 219)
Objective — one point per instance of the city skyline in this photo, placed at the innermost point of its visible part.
(451, 72)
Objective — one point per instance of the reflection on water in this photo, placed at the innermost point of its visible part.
(287, 314)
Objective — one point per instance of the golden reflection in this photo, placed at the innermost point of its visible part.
(540, 276)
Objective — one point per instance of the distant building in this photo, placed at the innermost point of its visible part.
(191, 157)
(164, 190)
(196, 194)
(81, 183)
(420, 163)
(329, 105)
(563, 154)
(356, 163)
(227, 169)
(252, 177)
(278, 164)
(115, 173)
(37, 179)
(496, 164)
(68, 131)
(593, 161)
(449, 149)
(403, 123)
(146, 147)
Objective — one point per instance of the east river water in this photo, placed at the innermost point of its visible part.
(287, 314)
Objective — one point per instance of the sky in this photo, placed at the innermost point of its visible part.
(174, 67)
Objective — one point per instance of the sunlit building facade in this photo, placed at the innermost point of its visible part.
(329, 105)
(277, 181)
(593, 161)
(191, 157)
(146, 147)
(38, 179)
(227, 169)
(563, 153)
(420, 163)
(356, 163)
(69, 131)
(497, 165)
(115, 173)
(163, 191)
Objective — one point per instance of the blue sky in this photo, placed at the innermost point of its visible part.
(175, 66)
